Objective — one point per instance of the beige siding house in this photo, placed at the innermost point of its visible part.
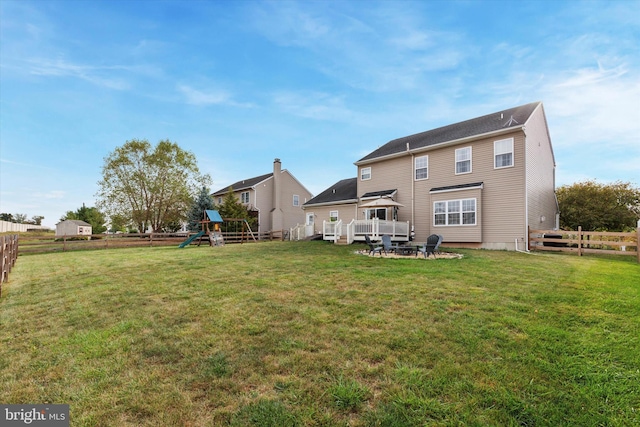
(479, 183)
(275, 198)
(340, 201)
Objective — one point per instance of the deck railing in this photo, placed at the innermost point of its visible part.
(374, 228)
(299, 232)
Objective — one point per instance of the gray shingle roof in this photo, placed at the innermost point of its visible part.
(243, 184)
(512, 117)
(344, 190)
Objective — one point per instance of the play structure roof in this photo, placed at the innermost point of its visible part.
(214, 216)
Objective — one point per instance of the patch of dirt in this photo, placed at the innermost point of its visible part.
(441, 255)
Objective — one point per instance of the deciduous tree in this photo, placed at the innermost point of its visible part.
(89, 215)
(152, 186)
(599, 207)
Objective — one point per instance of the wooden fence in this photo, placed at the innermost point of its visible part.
(8, 256)
(50, 243)
(585, 242)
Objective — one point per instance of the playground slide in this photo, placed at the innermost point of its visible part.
(191, 239)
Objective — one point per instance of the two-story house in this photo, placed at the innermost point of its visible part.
(478, 183)
(275, 198)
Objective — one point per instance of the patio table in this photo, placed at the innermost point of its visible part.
(404, 250)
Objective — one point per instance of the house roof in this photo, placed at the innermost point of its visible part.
(511, 118)
(244, 184)
(77, 222)
(345, 190)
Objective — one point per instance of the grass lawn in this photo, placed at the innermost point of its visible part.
(312, 334)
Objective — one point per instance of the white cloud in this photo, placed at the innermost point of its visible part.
(199, 97)
(210, 96)
(53, 194)
(314, 105)
(91, 74)
(596, 105)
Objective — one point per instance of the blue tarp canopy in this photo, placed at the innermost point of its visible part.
(214, 216)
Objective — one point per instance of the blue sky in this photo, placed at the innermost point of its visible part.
(318, 84)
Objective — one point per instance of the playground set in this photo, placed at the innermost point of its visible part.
(215, 236)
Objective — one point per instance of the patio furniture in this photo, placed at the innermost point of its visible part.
(431, 246)
(386, 245)
(404, 250)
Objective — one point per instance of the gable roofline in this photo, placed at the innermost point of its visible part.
(546, 127)
(252, 183)
(498, 123)
(244, 184)
(298, 182)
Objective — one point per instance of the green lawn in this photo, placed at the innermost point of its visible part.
(312, 334)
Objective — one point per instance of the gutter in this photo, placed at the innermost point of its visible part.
(339, 202)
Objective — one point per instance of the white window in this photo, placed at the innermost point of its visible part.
(380, 213)
(244, 197)
(455, 212)
(296, 200)
(219, 200)
(463, 160)
(503, 153)
(333, 216)
(421, 166)
(365, 174)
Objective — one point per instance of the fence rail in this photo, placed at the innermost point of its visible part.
(585, 242)
(8, 256)
(40, 244)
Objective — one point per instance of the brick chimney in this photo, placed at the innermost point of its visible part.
(277, 216)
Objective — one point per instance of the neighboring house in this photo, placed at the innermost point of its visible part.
(73, 227)
(275, 198)
(479, 183)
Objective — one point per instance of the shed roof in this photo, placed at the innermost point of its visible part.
(76, 222)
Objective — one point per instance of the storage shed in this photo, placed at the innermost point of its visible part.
(73, 227)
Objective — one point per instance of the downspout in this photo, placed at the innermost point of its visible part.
(255, 192)
(413, 196)
(525, 251)
(526, 190)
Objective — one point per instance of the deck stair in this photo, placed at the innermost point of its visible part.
(342, 240)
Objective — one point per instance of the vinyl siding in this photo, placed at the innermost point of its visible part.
(346, 212)
(501, 203)
(387, 175)
(293, 215)
(262, 201)
(540, 174)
